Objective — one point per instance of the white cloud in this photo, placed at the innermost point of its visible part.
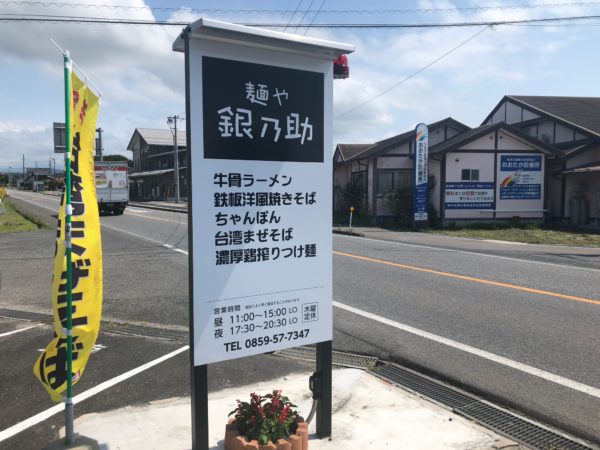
(35, 143)
(19, 127)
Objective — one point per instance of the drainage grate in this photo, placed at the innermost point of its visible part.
(420, 385)
(338, 358)
(503, 422)
(106, 326)
(524, 431)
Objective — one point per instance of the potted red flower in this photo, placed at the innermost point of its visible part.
(266, 422)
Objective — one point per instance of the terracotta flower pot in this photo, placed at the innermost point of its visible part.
(298, 441)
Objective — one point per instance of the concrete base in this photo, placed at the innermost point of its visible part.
(81, 443)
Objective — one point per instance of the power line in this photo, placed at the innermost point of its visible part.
(293, 14)
(286, 11)
(431, 24)
(101, 20)
(305, 13)
(360, 105)
(314, 17)
(86, 20)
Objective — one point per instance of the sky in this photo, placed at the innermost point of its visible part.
(142, 79)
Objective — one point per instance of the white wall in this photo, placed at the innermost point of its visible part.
(507, 142)
(586, 157)
(371, 188)
(513, 113)
(590, 182)
(483, 143)
(499, 115)
(341, 175)
(455, 163)
(434, 195)
(436, 135)
(394, 162)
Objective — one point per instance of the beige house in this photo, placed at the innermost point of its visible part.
(533, 158)
(381, 168)
(572, 126)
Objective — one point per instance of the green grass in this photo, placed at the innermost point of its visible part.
(13, 222)
(531, 234)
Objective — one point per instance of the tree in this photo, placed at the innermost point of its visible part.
(116, 158)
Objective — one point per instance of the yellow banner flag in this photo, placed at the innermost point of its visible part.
(86, 266)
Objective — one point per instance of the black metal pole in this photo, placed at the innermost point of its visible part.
(198, 374)
(200, 407)
(324, 350)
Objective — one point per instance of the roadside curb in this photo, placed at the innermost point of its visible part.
(348, 233)
(51, 193)
(159, 208)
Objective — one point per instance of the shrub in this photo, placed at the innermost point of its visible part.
(266, 418)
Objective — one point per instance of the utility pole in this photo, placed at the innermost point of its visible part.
(172, 120)
(100, 149)
(23, 166)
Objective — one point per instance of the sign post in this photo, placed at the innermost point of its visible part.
(259, 115)
(421, 176)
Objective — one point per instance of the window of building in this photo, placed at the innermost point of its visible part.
(470, 175)
(531, 130)
(393, 180)
(359, 179)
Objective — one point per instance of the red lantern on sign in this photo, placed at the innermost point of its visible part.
(340, 67)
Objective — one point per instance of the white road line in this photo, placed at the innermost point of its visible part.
(450, 250)
(34, 420)
(497, 241)
(594, 392)
(139, 210)
(19, 330)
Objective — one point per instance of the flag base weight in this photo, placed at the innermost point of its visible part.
(81, 443)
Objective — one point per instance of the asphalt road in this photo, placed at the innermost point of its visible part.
(145, 297)
(517, 324)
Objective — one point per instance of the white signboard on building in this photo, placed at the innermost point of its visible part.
(260, 134)
(469, 195)
(520, 177)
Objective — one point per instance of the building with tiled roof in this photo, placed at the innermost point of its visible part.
(533, 158)
(153, 164)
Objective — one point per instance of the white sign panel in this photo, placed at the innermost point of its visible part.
(261, 204)
(469, 195)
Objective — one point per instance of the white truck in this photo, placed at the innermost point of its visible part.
(112, 186)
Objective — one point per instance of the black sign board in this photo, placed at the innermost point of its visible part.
(259, 112)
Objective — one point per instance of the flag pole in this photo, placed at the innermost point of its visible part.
(69, 413)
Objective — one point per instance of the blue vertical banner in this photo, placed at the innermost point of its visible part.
(421, 173)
